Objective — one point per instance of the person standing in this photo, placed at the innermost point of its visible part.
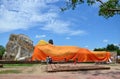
(47, 60)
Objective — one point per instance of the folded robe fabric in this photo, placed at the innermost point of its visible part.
(67, 53)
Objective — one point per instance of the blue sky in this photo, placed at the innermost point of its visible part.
(42, 19)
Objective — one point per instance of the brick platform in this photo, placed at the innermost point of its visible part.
(58, 68)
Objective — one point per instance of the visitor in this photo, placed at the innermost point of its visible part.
(47, 59)
(50, 60)
(75, 61)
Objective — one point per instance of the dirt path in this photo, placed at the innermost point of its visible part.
(38, 72)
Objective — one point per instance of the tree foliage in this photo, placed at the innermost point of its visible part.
(2, 50)
(112, 47)
(106, 9)
(109, 47)
(100, 49)
(110, 8)
(118, 52)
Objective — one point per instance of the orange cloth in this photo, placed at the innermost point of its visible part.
(60, 53)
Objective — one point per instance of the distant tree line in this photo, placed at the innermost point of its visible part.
(109, 47)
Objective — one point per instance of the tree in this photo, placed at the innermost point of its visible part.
(106, 9)
(2, 50)
(112, 47)
(118, 52)
(100, 49)
(109, 47)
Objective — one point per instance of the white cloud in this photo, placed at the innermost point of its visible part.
(23, 14)
(116, 44)
(86, 46)
(67, 38)
(78, 32)
(60, 27)
(40, 36)
(20, 14)
(105, 40)
(57, 26)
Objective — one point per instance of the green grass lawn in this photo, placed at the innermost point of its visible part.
(14, 65)
(10, 71)
(13, 68)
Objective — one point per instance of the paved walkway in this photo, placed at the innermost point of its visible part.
(62, 76)
(37, 72)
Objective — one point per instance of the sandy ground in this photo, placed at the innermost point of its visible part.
(38, 71)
